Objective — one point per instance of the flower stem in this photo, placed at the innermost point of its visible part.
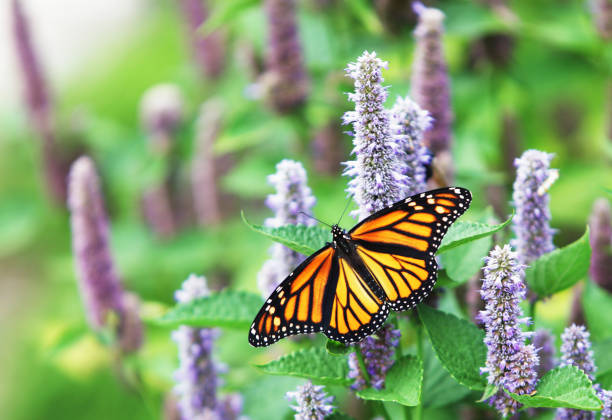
(532, 306)
(417, 411)
(362, 365)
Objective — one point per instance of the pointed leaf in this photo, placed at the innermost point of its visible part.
(403, 383)
(303, 239)
(567, 386)
(458, 344)
(559, 269)
(462, 232)
(314, 363)
(489, 391)
(439, 388)
(228, 308)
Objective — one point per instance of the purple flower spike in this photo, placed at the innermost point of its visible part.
(98, 279)
(378, 356)
(197, 376)
(209, 50)
(377, 181)
(161, 113)
(409, 123)
(285, 83)
(601, 243)
(576, 351)
(511, 364)
(544, 343)
(430, 80)
(291, 200)
(606, 399)
(534, 236)
(312, 402)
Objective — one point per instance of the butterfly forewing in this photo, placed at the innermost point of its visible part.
(398, 244)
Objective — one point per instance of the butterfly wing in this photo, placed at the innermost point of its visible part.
(324, 294)
(398, 244)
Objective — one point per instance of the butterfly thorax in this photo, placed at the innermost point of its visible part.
(341, 240)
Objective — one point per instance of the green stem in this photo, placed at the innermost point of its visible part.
(532, 306)
(362, 365)
(417, 412)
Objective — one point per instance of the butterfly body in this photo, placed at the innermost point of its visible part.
(346, 289)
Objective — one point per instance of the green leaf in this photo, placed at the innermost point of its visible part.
(603, 356)
(595, 303)
(439, 388)
(303, 239)
(314, 363)
(403, 383)
(463, 232)
(489, 391)
(605, 380)
(458, 344)
(559, 269)
(225, 13)
(463, 262)
(336, 348)
(228, 308)
(566, 386)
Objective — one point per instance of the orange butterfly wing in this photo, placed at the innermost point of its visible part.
(324, 294)
(398, 245)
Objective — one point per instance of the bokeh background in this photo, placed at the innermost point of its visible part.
(539, 78)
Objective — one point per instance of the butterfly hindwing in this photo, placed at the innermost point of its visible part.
(324, 294)
(398, 244)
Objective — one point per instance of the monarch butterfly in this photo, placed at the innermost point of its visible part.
(346, 289)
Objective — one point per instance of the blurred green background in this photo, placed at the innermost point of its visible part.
(550, 89)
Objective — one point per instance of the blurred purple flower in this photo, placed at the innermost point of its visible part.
(602, 14)
(601, 244)
(378, 356)
(531, 224)
(38, 103)
(203, 174)
(208, 50)
(408, 124)
(292, 197)
(312, 402)
(161, 113)
(197, 376)
(376, 181)
(285, 82)
(511, 364)
(544, 344)
(430, 80)
(131, 333)
(576, 351)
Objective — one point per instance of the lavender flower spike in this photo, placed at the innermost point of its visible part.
(430, 80)
(197, 379)
(377, 351)
(409, 123)
(600, 225)
(98, 279)
(285, 82)
(292, 197)
(511, 364)
(576, 351)
(377, 181)
(312, 402)
(534, 236)
(606, 398)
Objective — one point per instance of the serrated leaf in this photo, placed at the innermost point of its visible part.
(403, 383)
(595, 303)
(463, 262)
(337, 348)
(303, 239)
(559, 269)
(314, 363)
(463, 232)
(228, 308)
(439, 388)
(566, 386)
(458, 344)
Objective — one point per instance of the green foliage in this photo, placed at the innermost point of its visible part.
(303, 239)
(336, 348)
(314, 363)
(559, 269)
(463, 262)
(402, 384)
(458, 344)
(439, 388)
(595, 302)
(230, 309)
(462, 232)
(567, 386)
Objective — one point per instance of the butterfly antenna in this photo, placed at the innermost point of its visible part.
(348, 202)
(312, 217)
